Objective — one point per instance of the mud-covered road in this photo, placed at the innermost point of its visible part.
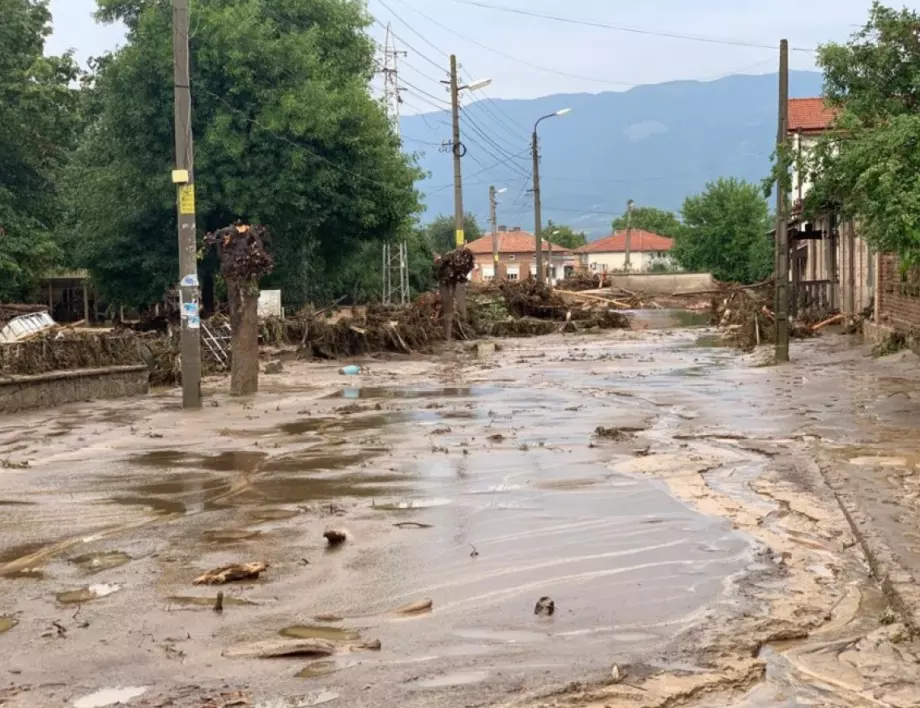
(680, 504)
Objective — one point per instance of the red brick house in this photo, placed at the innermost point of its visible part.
(517, 256)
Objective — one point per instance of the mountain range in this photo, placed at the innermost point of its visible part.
(655, 144)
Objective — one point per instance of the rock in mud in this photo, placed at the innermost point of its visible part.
(415, 608)
(545, 607)
(274, 367)
(335, 537)
(231, 573)
(274, 648)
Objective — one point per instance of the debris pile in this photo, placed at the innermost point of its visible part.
(455, 267)
(10, 310)
(66, 350)
(581, 280)
(243, 251)
(747, 313)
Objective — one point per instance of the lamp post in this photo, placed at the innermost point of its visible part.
(552, 275)
(454, 297)
(493, 222)
(537, 217)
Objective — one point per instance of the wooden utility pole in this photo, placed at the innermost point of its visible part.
(493, 223)
(184, 179)
(627, 264)
(782, 232)
(537, 206)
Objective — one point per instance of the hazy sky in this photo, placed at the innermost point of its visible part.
(606, 59)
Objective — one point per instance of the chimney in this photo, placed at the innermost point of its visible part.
(515, 229)
(502, 228)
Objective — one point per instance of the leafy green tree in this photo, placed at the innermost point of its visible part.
(725, 232)
(37, 125)
(442, 235)
(286, 134)
(566, 237)
(867, 168)
(657, 221)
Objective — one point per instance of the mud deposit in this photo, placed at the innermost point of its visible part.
(696, 548)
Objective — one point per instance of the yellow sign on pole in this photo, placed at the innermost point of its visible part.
(187, 199)
(459, 238)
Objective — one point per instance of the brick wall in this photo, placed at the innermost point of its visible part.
(898, 295)
(522, 260)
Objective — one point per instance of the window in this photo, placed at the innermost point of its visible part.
(512, 271)
(488, 272)
(512, 276)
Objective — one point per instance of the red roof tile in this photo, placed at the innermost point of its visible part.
(510, 242)
(641, 241)
(809, 115)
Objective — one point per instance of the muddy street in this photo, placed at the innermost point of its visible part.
(694, 516)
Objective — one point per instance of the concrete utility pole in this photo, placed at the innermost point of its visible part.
(537, 205)
(782, 232)
(493, 223)
(457, 148)
(183, 178)
(627, 264)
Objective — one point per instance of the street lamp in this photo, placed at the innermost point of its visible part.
(475, 85)
(493, 219)
(537, 217)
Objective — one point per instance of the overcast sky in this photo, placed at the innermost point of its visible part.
(604, 58)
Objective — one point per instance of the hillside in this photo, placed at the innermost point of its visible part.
(655, 144)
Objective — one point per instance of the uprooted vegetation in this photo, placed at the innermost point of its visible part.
(746, 312)
(515, 309)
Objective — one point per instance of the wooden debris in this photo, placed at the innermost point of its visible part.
(415, 608)
(279, 648)
(231, 573)
(219, 603)
(828, 321)
(412, 525)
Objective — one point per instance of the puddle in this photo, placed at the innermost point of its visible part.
(184, 484)
(274, 514)
(408, 504)
(310, 463)
(306, 631)
(670, 318)
(575, 483)
(154, 504)
(7, 622)
(195, 601)
(233, 461)
(317, 669)
(229, 535)
(91, 592)
(297, 490)
(459, 678)
(502, 637)
(97, 562)
(110, 697)
(348, 424)
(378, 392)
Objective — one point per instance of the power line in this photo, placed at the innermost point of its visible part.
(633, 30)
(472, 176)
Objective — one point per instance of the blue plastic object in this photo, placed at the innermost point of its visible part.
(350, 370)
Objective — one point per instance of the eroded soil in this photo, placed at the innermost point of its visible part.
(697, 543)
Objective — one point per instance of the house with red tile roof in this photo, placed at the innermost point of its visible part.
(646, 251)
(517, 256)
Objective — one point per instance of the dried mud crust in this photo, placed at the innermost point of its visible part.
(800, 602)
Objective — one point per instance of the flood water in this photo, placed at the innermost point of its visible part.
(481, 497)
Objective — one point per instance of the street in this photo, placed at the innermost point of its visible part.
(712, 531)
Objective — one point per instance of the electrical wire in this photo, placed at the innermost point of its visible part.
(472, 176)
(633, 30)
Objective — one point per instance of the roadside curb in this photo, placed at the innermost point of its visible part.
(898, 584)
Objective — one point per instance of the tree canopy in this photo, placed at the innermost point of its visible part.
(38, 114)
(725, 232)
(442, 236)
(286, 134)
(867, 167)
(647, 218)
(562, 235)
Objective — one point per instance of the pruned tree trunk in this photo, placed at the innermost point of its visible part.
(244, 342)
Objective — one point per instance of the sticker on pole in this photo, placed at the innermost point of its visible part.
(189, 281)
(187, 200)
(194, 322)
(189, 310)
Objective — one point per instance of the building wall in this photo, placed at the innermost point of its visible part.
(898, 295)
(662, 283)
(616, 261)
(524, 262)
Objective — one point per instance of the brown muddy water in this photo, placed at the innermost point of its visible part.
(481, 488)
